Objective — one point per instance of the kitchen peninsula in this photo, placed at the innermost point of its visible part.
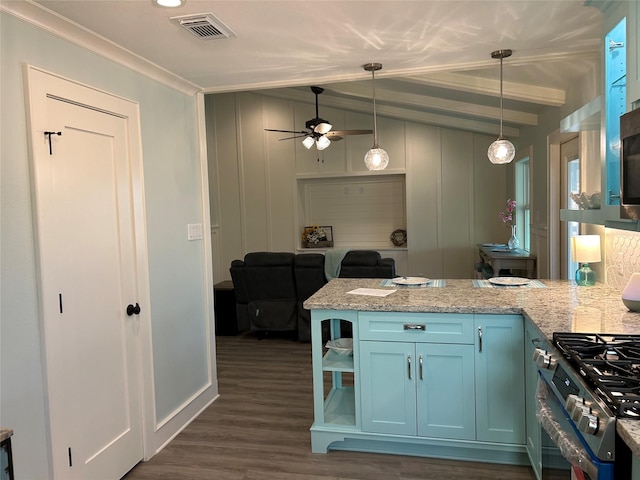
(472, 346)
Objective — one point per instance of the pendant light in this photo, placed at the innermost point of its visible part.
(376, 158)
(502, 150)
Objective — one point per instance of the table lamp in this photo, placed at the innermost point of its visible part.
(585, 249)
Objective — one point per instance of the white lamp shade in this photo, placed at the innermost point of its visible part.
(376, 159)
(501, 151)
(585, 248)
(308, 142)
(322, 143)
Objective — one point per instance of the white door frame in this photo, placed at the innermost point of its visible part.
(36, 124)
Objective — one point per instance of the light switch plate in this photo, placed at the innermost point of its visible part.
(194, 231)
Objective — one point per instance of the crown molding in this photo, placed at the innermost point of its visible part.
(43, 18)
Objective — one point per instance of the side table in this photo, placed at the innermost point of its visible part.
(224, 301)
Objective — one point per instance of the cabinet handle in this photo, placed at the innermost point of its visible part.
(415, 326)
(479, 339)
(420, 362)
(409, 366)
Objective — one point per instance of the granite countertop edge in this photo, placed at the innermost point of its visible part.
(560, 306)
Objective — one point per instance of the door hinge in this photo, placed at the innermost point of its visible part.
(70, 460)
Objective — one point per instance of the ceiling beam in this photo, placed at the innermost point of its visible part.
(552, 97)
(416, 101)
(351, 104)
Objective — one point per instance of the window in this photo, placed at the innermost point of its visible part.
(523, 212)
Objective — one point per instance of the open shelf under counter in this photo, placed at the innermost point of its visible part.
(340, 407)
(334, 362)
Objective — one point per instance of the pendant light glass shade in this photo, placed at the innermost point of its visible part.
(502, 150)
(376, 158)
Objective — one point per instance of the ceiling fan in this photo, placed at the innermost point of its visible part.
(318, 130)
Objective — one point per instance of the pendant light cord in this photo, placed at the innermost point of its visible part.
(375, 123)
(501, 57)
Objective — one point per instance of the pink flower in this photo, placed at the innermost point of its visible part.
(507, 215)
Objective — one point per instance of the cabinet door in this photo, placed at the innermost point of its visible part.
(499, 362)
(387, 386)
(445, 391)
(534, 451)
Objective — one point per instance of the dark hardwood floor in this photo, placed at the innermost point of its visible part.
(259, 429)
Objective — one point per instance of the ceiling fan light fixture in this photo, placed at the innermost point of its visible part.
(322, 127)
(308, 142)
(502, 150)
(322, 143)
(376, 158)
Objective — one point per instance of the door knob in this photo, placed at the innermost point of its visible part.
(133, 310)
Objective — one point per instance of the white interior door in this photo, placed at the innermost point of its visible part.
(86, 237)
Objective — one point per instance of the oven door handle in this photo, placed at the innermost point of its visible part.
(571, 450)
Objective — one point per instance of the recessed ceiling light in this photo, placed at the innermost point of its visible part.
(170, 3)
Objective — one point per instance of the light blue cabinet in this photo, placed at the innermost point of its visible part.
(499, 364)
(532, 339)
(418, 389)
(431, 384)
(388, 387)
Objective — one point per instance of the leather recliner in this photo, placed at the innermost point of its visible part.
(266, 292)
(271, 287)
(366, 264)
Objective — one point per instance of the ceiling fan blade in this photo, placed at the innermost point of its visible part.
(297, 136)
(339, 134)
(284, 131)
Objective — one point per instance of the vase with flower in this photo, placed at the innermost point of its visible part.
(507, 218)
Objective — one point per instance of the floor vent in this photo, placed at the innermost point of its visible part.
(204, 25)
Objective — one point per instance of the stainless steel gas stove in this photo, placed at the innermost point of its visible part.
(587, 381)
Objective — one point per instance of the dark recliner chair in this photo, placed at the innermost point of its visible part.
(309, 270)
(266, 293)
(366, 264)
(271, 287)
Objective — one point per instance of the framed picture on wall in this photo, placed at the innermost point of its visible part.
(317, 237)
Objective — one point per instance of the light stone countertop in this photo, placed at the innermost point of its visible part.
(560, 307)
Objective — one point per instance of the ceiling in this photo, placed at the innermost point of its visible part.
(436, 55)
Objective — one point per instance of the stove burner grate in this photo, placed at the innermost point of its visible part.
(610, 364)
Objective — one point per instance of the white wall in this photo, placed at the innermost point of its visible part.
(180, 297)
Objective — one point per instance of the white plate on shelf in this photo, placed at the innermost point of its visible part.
(510, 281)
(342, 346)
(410, 281)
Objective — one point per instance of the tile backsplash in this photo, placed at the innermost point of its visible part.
(622, 254)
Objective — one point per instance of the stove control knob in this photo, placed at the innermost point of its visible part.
(536, 354)
(589, 423)
(546, 360)
(580, 411)
(571, 402)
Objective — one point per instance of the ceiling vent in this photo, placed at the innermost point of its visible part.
(204, 25)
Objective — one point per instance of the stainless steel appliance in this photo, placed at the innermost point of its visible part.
(630, 165)
(587, 381)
